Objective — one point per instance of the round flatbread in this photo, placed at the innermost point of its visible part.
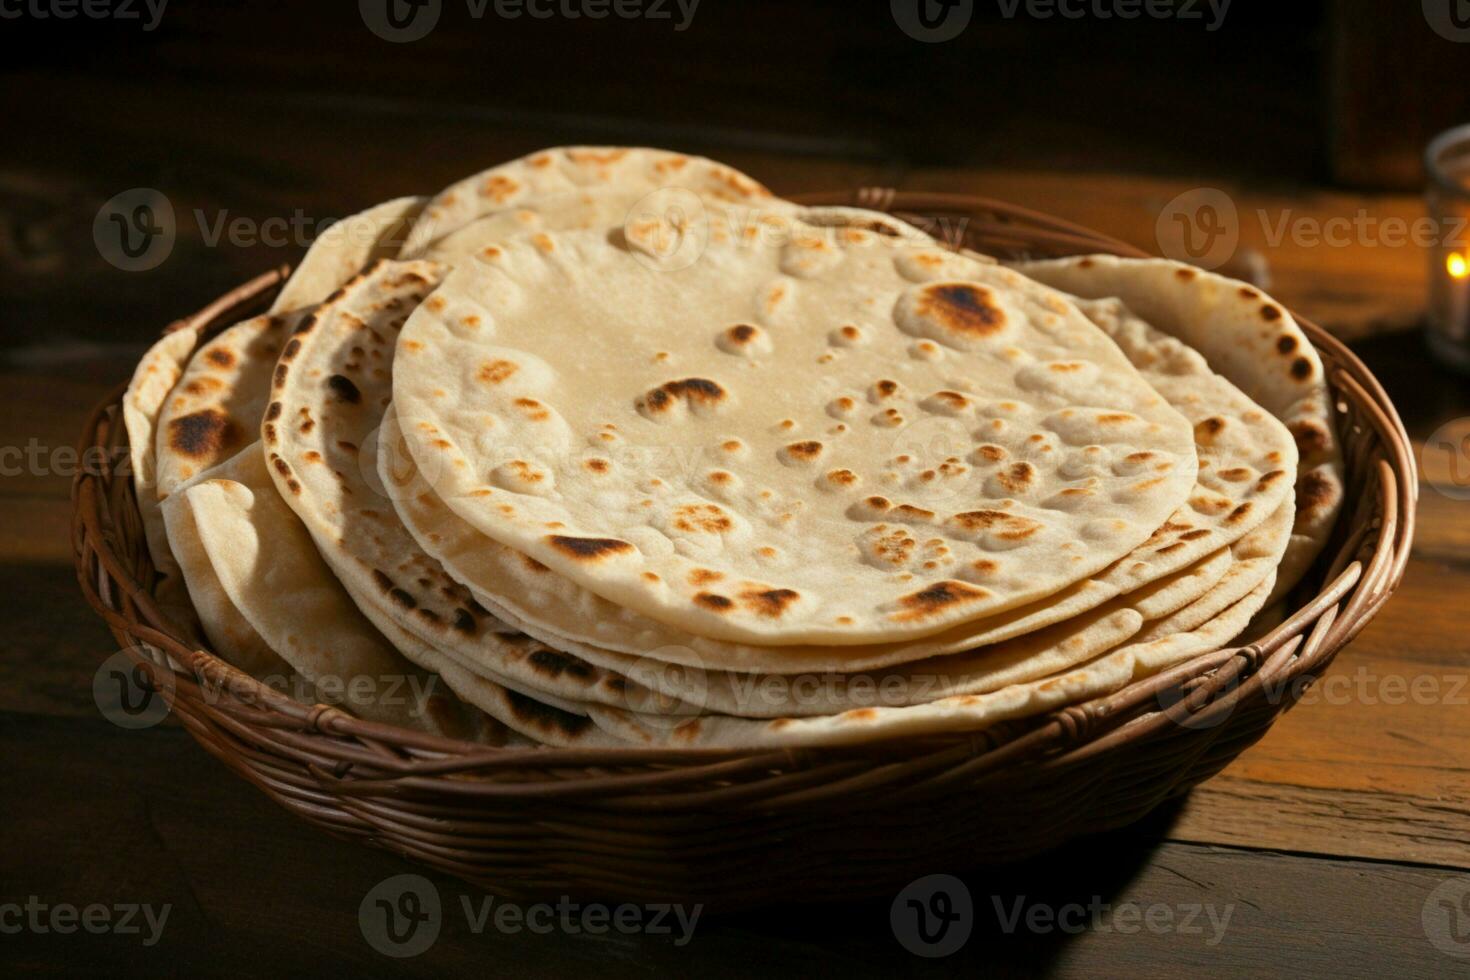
(713, 445)
(1247, 459)
(522, 187)
(1252, 340)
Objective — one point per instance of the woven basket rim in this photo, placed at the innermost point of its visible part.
(1368, 569)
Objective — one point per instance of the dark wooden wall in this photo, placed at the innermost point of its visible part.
(834, 77)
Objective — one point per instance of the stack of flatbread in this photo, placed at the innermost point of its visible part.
(611, 447)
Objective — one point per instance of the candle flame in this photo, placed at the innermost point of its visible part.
(1458, 266)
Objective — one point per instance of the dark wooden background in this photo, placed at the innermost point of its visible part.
(1326, 840)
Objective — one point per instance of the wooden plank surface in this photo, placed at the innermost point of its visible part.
(158, 822)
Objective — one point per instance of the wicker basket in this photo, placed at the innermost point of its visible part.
(733, 829)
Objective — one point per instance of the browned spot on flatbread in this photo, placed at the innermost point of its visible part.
(544, 716)
(1008, 527)
(1301, 369)
(498, 188)
(532, 409)
(770, 603)
(713, 601)
(344, 389)
(806, 450)
(220, 357)
(1286, 345)
(702, 519)
(991, 453)
(704, 576)
(937, 599)
(964, 308)
(588, 549)
(464, 622)
(496, 371)
(693, 391)
(1185, 274)
(1019, 478)
(1270, 479)
(1314, 494)
(1239, 514)
(391, 589)
(554, 663)
(953, 399)
(1271, 313)
(203, 434)
(1206, 431)
(1311, 437)
(201, 386)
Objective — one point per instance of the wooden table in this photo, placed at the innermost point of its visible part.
(1322, 844)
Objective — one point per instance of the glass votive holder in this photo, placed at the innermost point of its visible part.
(1448, 329)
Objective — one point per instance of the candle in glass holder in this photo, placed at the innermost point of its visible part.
(1448, 328)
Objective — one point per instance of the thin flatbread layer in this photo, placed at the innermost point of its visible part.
(820, 690)
(968, 713)
(214, 411)
(153, 379)
(270, 574)
(320, 429)
(1250, 339)
(1246, 463)
(230, 634)
(674, 669)
(711, 445)
(525, 184)
(346, 248)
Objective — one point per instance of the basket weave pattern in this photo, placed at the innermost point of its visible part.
(662, 825)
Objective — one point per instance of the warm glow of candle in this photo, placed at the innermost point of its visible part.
(1458, 266)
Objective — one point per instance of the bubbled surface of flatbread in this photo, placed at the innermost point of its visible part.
(1253, 341)
(716, 444)
(214, 411)
(528, 183)
(1247, 461)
